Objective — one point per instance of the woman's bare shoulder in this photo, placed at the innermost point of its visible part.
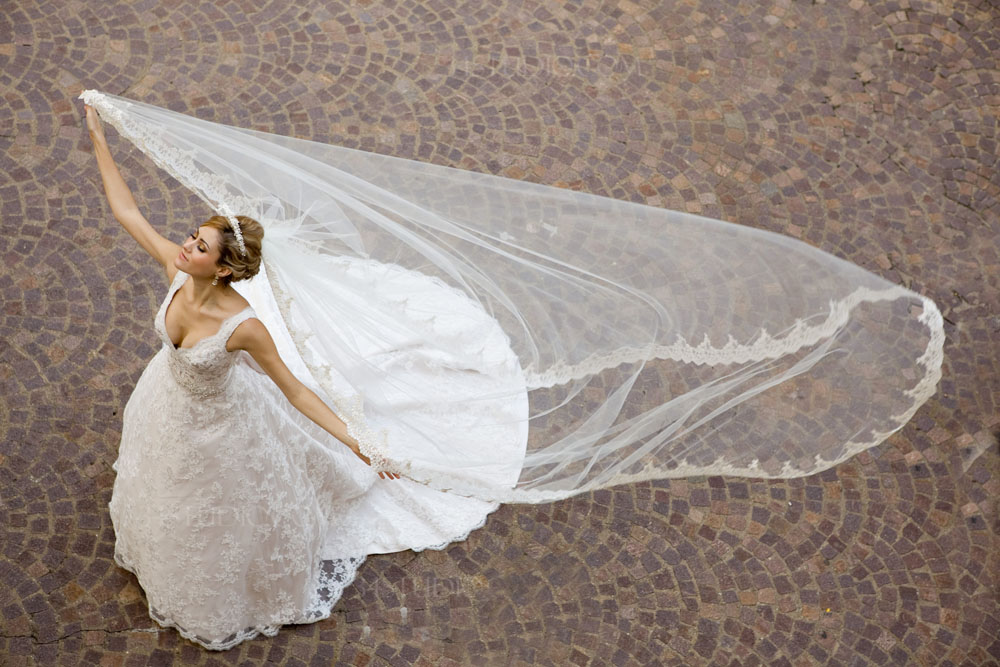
(250, 335)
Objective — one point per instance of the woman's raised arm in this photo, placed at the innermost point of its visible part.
(123, 205)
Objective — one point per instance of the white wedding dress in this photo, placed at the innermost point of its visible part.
(238, 515)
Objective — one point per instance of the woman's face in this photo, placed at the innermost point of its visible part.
(199, 255)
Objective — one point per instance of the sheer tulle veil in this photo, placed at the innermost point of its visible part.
(597, 342)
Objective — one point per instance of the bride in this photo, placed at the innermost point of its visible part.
(236, 514)
(479, 339)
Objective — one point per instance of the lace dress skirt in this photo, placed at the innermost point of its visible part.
(237, 514)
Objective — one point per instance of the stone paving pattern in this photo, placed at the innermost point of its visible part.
(866, 129)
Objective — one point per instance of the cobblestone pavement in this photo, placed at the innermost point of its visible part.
(866, 129)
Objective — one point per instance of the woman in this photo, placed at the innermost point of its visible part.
(236, 513)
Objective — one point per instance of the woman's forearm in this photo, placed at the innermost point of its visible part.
(118, 193)
(308, 403)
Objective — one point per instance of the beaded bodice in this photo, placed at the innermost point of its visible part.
(204, 368)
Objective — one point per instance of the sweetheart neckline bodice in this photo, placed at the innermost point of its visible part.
(161, 321)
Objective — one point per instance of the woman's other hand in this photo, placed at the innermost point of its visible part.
(385, 474)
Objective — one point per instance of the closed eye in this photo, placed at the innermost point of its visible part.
(201, 244)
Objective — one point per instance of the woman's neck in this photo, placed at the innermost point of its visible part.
(204, 293)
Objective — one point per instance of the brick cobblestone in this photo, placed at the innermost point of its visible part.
(867, 129)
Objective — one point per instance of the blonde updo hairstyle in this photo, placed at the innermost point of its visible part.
(242, 266)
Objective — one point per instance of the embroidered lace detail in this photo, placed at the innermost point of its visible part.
(334, 577)
(202, 369)
(765, 346)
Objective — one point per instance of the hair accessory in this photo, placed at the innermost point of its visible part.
(235, 224)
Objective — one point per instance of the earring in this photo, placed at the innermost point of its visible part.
(215, 281)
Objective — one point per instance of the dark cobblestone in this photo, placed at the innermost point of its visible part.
(866, 129)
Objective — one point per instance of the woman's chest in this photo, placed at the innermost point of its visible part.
(185, 327)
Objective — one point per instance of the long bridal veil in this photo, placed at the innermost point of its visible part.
(581, 341)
